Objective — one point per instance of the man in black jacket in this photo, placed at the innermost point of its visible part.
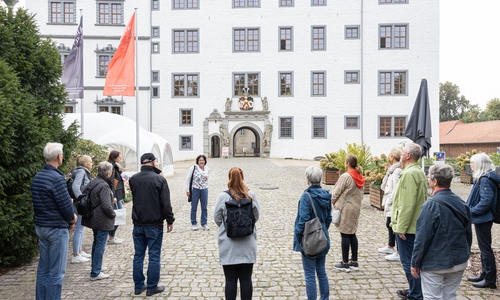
(151, 205)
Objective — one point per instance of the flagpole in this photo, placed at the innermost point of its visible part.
(137, 126)
(81, 99)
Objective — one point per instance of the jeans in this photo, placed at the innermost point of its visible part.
(53, 244)
(118, 205)
(201, 195)
(483, 235)
(98, 247)
(150, 237)
(243, 273)
(313, 266)
(405, 249)
(78, 236)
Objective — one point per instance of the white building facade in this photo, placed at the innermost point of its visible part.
(268, 78)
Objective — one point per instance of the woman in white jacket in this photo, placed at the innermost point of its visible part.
(389, 186)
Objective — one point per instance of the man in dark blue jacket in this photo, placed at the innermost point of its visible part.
(151, 205)
(53, 216)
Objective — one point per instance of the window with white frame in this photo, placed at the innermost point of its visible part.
(286, 83)
(246, 3)
(70, 107)
(286, 127)
(393, 36)
(249, 80)
(110, 12)
(286, 38)
(352, 32)
(318, 2)
(318, 38)
(155, 47)
(155, 92)
(185, 4)
(155, 31)
(155, 4)
(393, 83)
(104, 56)
(351, 77)
(185, 117)
(110, 104)
(318, 81)
(392, 126)
(318, 127)
(62, 12)
(286, 2)
(185, 85)
(246, 39)
(185, 41)
(351, 122)
(155, 76)
(185, 142)
(392, 1)
(110, 108)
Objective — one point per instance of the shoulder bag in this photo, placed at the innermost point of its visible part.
(191, 185)
(314, 239)
(337, 212)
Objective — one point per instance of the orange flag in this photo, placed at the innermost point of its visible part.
(120, 80)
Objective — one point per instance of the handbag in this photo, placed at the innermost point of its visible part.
(120, 218)
(191, 185)
(337, 212)
(314, 239)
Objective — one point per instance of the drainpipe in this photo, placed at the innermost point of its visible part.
(150, 68)
(361, 119)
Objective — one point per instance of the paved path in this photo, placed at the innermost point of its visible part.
(190, 267)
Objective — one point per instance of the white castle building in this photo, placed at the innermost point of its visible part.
(269, 78)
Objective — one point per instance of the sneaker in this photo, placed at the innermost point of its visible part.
(79, 259)
(386, 250)
(103, 268)
(205, 227)
(194, 228)
(83, 254)
(115, 241)
(343, 267)
(353, 266)
(99, 277)
(393, 257)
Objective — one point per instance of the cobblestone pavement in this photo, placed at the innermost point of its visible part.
(190, 266)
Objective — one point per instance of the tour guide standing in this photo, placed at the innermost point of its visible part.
(53, 216)
(151, 205)
(410, 195)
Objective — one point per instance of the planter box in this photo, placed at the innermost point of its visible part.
(465, 178)
(366, 188)
(330, 176)
(376, 195)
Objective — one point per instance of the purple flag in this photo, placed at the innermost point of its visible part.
(73, 67)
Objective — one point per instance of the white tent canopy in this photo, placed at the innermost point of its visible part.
(118, 132)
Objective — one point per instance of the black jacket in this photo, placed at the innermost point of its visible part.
(119, 192)
(151, 198)
(101, 199)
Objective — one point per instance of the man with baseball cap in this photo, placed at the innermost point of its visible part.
(151, 205)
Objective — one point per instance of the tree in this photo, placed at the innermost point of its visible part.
(493, 109)
(474, 114)
(31, 104)
(451, 105)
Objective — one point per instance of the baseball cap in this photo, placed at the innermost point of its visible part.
(147, 157)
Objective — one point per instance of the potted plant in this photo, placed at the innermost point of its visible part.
(375, 177)
(463, 161)
(330, 172)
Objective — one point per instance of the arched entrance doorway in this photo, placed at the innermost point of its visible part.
(215, 146)
(246, 142)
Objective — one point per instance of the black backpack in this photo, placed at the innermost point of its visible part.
(83, 203)
(69, 183)
(496, 212)
(240, 220)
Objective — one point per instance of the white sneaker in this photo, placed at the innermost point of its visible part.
(83, 254)
(115, 241)
(393, 257)
(99, 277)
(79, 259)
(103, 268)
(205, 227)
(194, 228)
(386, 250)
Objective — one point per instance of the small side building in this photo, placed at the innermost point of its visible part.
(457, 137)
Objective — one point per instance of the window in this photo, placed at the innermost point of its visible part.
(69, 108)
(392, 83)
(286, 127)
(286, 39)
(246, 39)
(155, 76)
(318, 38)
(62, 12)
(155, 92)
(111, 109)
(246, 3)
(185, 117)
(110, 12)
(185, 41)
(286, 84)
(286, 2)
(185, 142)
(242, 80)
(155, 32)
(351, 77)
(63, 52)
(155, 47)
(104, 56)
(393, 36)
(351, 122)
(318, 83)
(392, 126)
(185, 85)
(319, 127)
(393, 1)
(185, 4)
(352, 32)
(110, 104)
(155, 4)
(318, 2)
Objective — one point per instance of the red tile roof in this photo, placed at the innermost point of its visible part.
(457, 132)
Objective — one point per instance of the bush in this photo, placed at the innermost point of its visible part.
(97, 152)
(361, 151)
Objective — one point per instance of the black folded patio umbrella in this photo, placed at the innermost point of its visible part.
(419, 126)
